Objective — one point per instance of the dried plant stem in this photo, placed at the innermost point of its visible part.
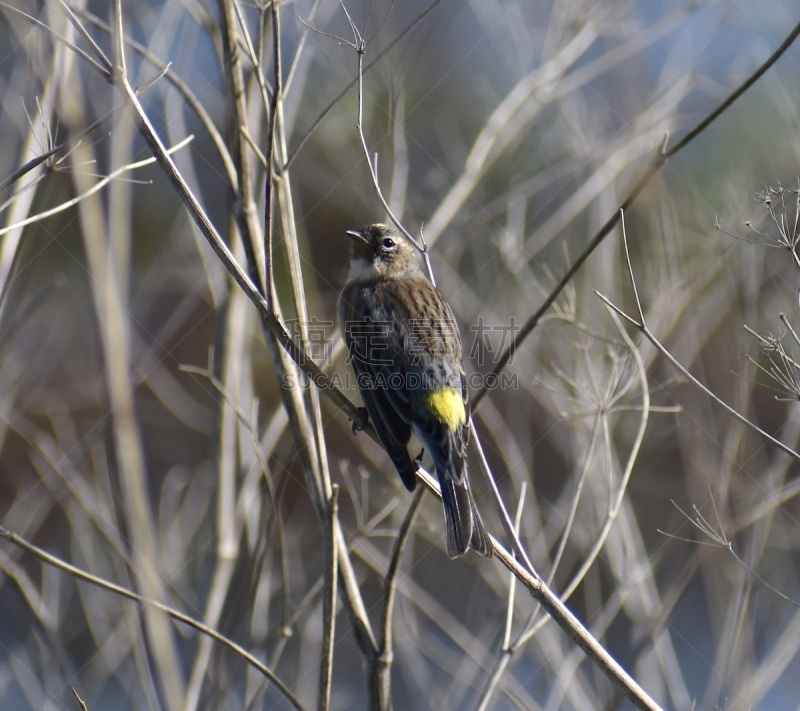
(564, 618)
(663, 156)
(639, 323)
(380, 666)
(329, 601)
(76, 572)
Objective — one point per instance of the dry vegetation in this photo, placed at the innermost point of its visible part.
(175, 405)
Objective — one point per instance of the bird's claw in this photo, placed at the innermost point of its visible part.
(361, 423)
(418, 458)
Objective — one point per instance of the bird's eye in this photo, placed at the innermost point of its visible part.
(388, 243)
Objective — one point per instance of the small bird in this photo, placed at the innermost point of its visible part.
(406, 352)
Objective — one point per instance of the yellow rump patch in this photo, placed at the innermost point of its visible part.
(446, 405)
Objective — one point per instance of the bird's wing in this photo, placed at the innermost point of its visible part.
(389, 410)
(441, 340)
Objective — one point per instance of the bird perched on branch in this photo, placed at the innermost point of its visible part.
(406, 352)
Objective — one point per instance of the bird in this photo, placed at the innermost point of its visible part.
(406, 352)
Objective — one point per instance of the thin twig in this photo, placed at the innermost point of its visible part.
(295, 350)
(102, 67)
(641, 325)
(329, 601)
(506, 651)
(380, 670)
(97, 187)
(244, 209)
(314, 126)
(505, 519)
(655, 166)
(55, 151)
(270, 157)
(183, 89)
(562, 616)
(78, 698)
(721, 540)
(360, 47)
(683, 371)
(80, 574)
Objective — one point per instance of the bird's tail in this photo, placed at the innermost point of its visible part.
(463, 523)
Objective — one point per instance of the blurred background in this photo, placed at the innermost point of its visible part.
(152, 433)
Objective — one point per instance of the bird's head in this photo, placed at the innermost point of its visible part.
(382, 252)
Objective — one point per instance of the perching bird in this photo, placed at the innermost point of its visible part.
(406, 352)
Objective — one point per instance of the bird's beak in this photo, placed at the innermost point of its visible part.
(358, 235)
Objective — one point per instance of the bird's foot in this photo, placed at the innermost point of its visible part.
(418, 458)
(361, 423)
